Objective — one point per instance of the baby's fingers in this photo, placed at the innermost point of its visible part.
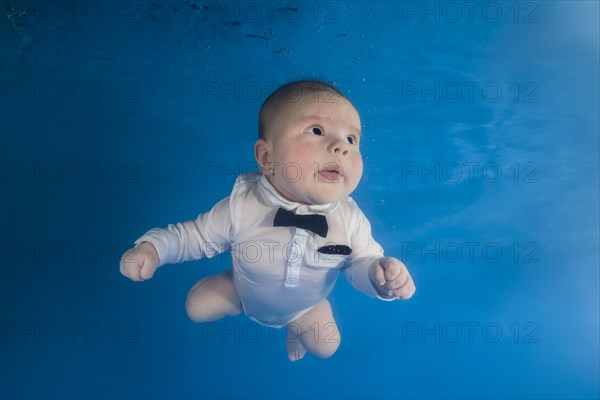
(405, 292)
(131, 265)
(394, 269)
(147, 270)
(401, 279)
(378, 273)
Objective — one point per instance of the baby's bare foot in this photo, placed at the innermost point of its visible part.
(295, 349)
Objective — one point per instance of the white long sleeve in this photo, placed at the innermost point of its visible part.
(206, 236)
(365, 251)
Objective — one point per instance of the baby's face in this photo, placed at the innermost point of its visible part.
(313, 148)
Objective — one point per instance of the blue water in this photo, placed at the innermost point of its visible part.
(481, 150)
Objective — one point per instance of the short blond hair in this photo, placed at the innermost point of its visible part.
(291, 92)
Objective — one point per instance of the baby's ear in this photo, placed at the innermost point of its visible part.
(262, 153)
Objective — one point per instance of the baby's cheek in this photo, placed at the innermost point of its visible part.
(358, 158)
(307, 160)
(299, 155)
(357, 166)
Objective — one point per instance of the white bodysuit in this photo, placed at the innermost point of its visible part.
(278, 272)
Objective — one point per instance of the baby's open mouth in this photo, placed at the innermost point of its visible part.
(331, 174)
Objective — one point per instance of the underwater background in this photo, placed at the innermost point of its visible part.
(481, 149)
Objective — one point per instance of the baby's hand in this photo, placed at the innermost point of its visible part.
(390, 276)
(140, 263)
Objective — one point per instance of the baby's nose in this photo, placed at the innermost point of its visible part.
(338, 150)
(339, 147)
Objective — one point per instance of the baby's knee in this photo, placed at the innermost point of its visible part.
(195, 311)
(211, 299)
(197, 304)
(327, 348)
(324, 346)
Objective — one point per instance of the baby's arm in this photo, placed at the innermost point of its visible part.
(205, 236)
(367, 267)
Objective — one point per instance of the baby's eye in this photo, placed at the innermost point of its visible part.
(351, 139)
(316, 131)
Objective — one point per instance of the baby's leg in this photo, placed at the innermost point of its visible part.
(315, 331)
(213, 298)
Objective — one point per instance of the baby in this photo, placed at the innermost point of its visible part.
(291, 229)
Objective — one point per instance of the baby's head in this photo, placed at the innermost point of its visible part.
(308, 146)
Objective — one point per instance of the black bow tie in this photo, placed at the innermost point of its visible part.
(313, 222)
